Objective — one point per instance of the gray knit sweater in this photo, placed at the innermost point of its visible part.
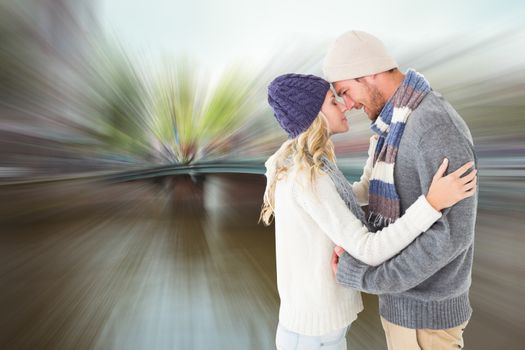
(427, 284)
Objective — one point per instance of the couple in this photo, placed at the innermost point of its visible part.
(414, 245)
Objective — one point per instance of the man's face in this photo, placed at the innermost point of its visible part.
(361, 93)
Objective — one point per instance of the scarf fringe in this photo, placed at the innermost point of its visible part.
(379, 221)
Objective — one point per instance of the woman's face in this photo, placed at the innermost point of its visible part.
(334, 112)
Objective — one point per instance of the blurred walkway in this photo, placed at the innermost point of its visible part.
(184, 265)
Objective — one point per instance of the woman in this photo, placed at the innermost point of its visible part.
(315, 209)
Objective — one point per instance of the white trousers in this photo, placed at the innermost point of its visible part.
(288, 340)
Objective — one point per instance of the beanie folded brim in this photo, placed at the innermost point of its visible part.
(354, 70)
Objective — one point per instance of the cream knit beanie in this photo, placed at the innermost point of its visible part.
(356, 54)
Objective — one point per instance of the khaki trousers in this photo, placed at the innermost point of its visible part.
(401, 338)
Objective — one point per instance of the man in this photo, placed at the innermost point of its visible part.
(423, 291)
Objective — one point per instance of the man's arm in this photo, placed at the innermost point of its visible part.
(440, 244)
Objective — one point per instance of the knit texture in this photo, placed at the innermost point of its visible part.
(344, 188)
(384, 205)
(356, 54)
(427, 284)
(296, 100)
(308, 223)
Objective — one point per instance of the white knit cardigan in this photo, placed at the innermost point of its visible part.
(308, 224)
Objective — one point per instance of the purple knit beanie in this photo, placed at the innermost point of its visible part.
(296, 100)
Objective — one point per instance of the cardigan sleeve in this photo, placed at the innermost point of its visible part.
(324, 205)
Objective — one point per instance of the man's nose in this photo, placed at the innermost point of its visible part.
(342, 106)
(349, 103)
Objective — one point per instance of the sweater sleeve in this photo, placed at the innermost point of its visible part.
(324, 205)
(434, 249)
(360, 188)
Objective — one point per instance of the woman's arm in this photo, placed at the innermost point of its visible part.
(360, 188)
(329, 211)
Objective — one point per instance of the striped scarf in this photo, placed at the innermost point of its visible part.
(384, 203)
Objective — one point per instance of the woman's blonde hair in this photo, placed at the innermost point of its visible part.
(306, 150)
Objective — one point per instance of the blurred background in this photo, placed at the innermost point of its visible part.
(132, 141)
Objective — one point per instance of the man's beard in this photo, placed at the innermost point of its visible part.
(375, 104)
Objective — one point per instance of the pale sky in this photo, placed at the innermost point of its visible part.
(215, 33)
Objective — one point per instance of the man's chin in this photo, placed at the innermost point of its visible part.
(372, 117)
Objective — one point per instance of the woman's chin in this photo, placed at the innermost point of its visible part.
(341, 130)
